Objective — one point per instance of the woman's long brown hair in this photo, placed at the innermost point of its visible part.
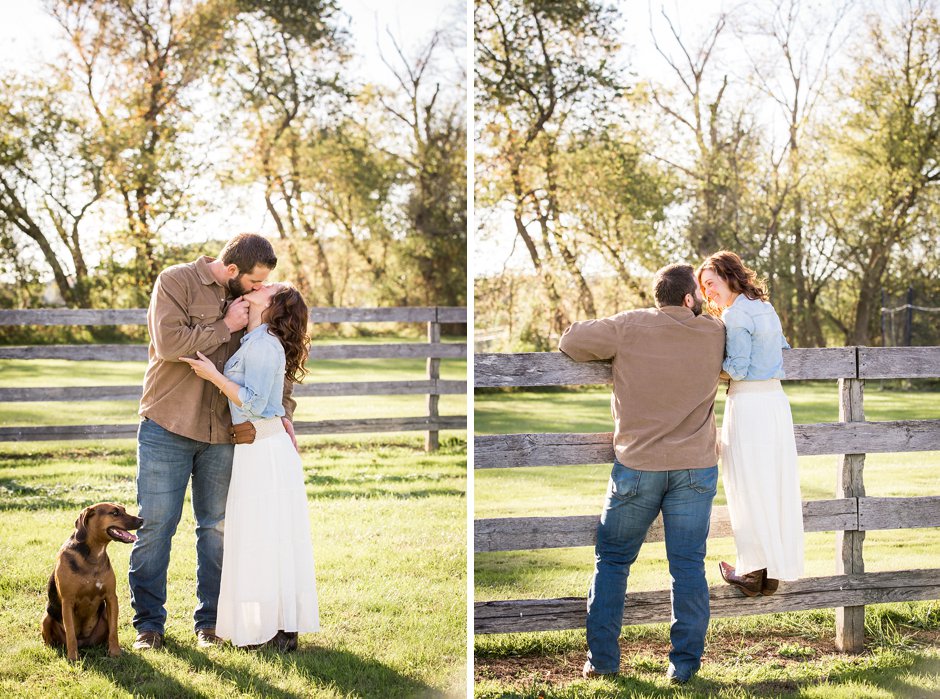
(287, 318)
(739, 278)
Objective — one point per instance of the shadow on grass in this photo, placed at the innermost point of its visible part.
(347, 673)
(15, 496)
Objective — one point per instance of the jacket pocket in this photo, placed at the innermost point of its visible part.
(204, 314)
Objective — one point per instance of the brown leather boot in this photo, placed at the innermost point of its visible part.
(749, 583)
(770, 586)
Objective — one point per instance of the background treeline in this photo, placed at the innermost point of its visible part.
(159, 114)
(804, 136)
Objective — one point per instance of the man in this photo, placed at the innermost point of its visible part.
(184, 430)
(666, 362)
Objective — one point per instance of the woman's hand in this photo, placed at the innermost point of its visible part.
(203, 367)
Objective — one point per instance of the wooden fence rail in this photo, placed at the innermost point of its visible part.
(850, 514)
(432, 386)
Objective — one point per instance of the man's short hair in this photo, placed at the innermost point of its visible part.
(672, 283)
(246, 251)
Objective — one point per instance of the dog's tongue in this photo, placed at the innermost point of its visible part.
(123, 535)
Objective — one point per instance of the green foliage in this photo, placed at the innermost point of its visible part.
(162, 114)
(816, 161)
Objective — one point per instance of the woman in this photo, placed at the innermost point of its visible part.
(268, 591)
(758, 450)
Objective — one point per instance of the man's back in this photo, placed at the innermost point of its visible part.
(666, 363)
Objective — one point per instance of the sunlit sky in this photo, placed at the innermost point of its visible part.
(28, 35)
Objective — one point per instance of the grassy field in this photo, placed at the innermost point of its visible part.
(389, 527)
(775, 655)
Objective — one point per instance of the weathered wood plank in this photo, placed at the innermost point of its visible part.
(509, 616)
(74, 316)
(381, 388)
(898, 513)
(420, 423)
(395, 350)
(521, 533)
(138, 353)
(105, 353)
(867, 437)
(432, 438)
(66, 432)
(82, 393)
(392, 424)
(572, 449)
(138, 316)
(414, 314)
(556, 369)
(451, 314)
(536, 369)
(898, 362)
(850, 621)
(335, 388)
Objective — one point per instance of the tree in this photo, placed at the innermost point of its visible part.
(432, 150)
(618, 210)
(881, 189)
(538, 65)
(136, 62)
(793, 74)
(284, 72)
(51, 178)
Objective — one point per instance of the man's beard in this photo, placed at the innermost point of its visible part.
(235, 288)
(696, 309)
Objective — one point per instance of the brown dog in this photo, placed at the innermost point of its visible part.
(83, 606)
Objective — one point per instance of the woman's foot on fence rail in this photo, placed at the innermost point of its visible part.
(751, 584)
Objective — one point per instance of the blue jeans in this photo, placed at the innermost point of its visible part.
(165, 463)
(634, 499)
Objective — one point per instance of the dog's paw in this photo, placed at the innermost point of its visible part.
(114, 652)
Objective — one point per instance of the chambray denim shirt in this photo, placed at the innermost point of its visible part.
(258, 367)
(753, 341)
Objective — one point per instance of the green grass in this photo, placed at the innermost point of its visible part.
(776, 655)
(389, 532)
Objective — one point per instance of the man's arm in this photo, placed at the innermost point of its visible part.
(589, 340)
(169, 323)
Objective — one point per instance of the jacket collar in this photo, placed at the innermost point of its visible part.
(203, 272)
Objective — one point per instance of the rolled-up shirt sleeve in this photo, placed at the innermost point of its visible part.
(590, 340)
(171, 331)
(261, 369)
(739, 329)
(287, 400)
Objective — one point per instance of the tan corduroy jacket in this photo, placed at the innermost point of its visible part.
(185, 316)
(665, 371)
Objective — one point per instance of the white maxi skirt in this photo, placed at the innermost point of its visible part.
(268, 582)
(761, 479)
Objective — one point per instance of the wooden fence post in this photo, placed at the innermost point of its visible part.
(850, 621)
(434, 374)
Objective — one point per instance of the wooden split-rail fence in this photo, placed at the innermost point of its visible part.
(850, 514)
(432, 385)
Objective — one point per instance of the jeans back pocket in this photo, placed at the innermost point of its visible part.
(704, 480)
(624, 481)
